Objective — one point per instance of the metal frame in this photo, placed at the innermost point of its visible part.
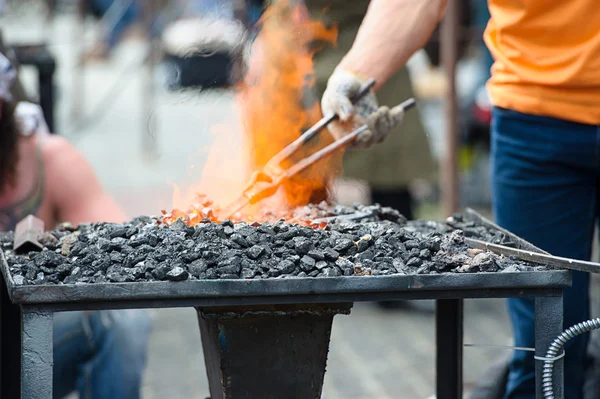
(33, 306)
(449, 338)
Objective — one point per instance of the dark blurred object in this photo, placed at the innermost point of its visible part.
(254, 11)
(213, 71)
(478, 119)
(18, 92)
(94, 10)
(465, 30)
(39, 57)
(203, 52)
(208, 65)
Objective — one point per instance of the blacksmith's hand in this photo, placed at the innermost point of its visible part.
(342, 85)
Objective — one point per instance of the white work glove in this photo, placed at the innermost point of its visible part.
(342, 85)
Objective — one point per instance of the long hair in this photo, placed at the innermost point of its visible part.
(9, 149)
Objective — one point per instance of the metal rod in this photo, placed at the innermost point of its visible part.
(272, 169)
(351, 216)
(308, 161)
(544, 259)
(343, 142)
(448, 166)
(316, 128)
(522, 244)
(252, 197)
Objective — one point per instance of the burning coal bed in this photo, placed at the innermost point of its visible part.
(147, 250)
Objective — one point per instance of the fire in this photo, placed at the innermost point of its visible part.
(277, 103)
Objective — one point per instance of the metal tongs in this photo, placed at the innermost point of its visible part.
(265, 182)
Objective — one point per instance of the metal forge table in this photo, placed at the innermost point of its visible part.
(268, 338)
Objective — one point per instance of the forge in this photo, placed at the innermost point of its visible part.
(366, 241)
(265, 293)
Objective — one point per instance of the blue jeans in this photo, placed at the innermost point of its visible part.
(545, 175)
(100, 354)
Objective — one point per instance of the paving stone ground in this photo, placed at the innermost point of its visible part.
(375, 354)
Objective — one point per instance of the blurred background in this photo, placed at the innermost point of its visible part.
(139, 86)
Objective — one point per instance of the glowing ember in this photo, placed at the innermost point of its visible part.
(203, 211)
(277, 104)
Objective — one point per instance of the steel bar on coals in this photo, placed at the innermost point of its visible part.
(521, 243)
(542, 259)
(27, 233)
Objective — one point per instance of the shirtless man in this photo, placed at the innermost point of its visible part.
(99, 354)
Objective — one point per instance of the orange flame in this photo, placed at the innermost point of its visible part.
(278, 99)
(277, 104)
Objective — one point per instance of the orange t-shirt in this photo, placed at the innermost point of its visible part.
(547, 57)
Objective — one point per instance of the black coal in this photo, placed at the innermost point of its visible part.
(144, 250)
(470, 229)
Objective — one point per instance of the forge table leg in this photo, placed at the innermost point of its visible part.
(10, 345)
(267, 352)
(449, 352)
(37, 356)
(548, 326)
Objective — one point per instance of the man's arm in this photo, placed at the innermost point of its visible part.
(74, 189)
(391, 32)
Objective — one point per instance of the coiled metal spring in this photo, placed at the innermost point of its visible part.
(555, 348)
